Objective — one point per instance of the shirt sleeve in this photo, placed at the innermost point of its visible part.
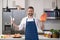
(21, 26)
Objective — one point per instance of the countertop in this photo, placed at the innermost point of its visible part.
(41, 37)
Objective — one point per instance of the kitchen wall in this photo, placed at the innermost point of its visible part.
(59, 4)
(50, 4)
(39, 5)
(52, 24)
(0, 16)
(14, 3)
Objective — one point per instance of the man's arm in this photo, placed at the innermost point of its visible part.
(42, 25)
(18, 27)
(15, 26)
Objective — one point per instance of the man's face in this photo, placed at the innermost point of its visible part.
(30, 12)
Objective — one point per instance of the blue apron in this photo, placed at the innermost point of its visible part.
(31, 30)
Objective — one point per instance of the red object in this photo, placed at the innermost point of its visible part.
(43, 17)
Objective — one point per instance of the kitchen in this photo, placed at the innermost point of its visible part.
(19, 6)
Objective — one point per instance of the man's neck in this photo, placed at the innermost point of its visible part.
(30, 16)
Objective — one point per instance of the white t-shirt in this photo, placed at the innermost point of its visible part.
(23, 23)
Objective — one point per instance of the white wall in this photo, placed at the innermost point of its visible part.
(59, 4)
(0, 16)
(38, 6)
(47, 4)
(51, 4)
(26, 4)
(13, 3)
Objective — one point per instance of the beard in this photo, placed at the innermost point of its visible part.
(30, 14)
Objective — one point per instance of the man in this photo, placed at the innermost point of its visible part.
(30, 24)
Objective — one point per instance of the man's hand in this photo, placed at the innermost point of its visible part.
(42, 27)
(14, 25)
(12, 21)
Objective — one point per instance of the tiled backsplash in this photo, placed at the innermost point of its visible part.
(52, 24)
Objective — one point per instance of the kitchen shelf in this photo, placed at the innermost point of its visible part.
(53, 18)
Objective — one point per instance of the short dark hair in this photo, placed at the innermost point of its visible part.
(30, 7)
